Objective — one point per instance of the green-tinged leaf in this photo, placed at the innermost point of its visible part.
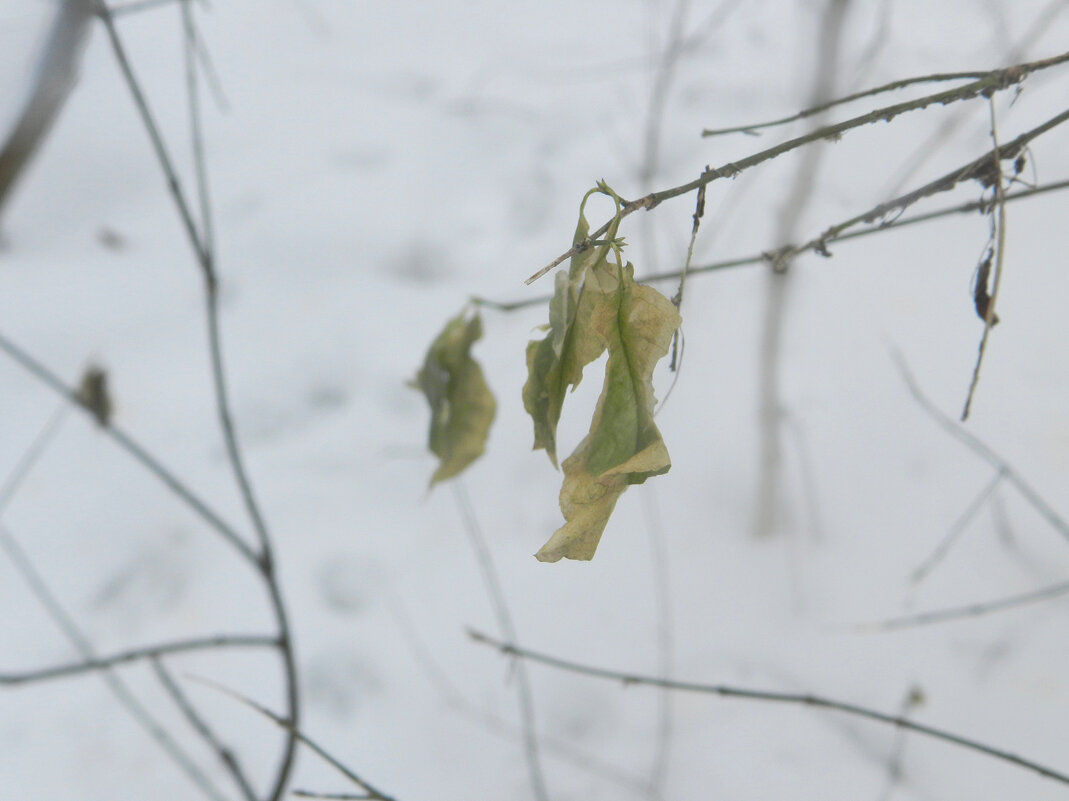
(556, 362)
(462, 407)
(635, 323)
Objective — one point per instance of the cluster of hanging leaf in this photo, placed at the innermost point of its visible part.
(596, 307)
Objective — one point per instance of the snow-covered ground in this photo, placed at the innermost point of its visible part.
(375, 165)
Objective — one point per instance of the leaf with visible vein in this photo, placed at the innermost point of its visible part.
(556, 361)
(462, 407)
(635, 324)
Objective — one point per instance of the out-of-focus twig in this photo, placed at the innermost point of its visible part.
(727, 691)
(54, 79)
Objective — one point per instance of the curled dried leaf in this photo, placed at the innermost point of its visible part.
(462, 406)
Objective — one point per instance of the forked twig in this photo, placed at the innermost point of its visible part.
(973, 443)
(840, 233)
(200, 240)
(372, 791)
(224, 752)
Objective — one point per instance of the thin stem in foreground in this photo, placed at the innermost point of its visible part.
(727, 691)
(202, 247)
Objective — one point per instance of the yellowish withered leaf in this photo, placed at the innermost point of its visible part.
(635, 324)
(556, 362)
(462, 407)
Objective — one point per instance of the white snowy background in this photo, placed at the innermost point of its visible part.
(373, 166)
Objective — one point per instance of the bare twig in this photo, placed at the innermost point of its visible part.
(960, 433)
(938, 77)
(118, 687)
(195, 129)
(929, 146)
(948, 540)
(970, 610)
(994, 81)
(843, 235)
(134, 449)
(287, 725)
(225, 754)
(563, 750)
(727, 691)
(914, 698)
(1000, 252)
(203, 250)
(508, 630)
(30, 456)
(96, 663)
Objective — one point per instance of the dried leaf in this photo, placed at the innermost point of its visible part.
(462, 407)
(94, 396)
(981, 297)
(635, 324)
(556, 362)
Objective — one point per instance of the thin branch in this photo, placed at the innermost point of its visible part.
(152, 129)
(455, 699)
(775, 697)
(960, 433)
(1000, 253)
(943, 548)
(122, 693)
(93, 664)
(813, 244)
(914, 698)
(200, 242)
(30, 456)
(225, 754)
(372, 791)
(134, 449)
(508, 630)
(938, 77)
(929, 146)
(994, 81)
(195, 129)
(971, 610)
